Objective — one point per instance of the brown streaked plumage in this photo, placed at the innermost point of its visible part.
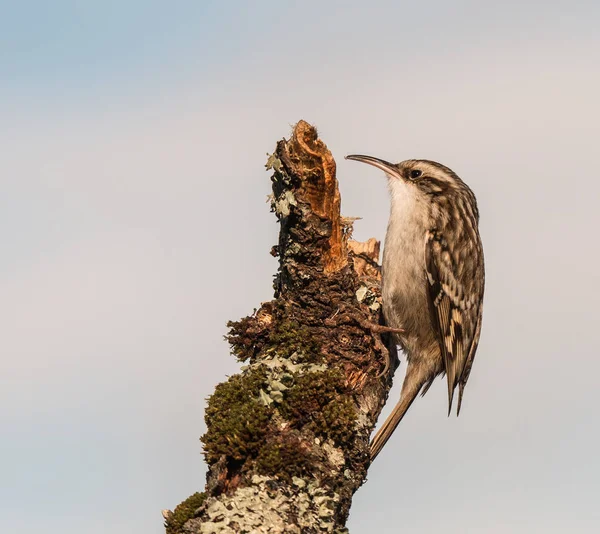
(432, 279)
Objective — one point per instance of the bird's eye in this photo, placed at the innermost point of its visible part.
(415, 173)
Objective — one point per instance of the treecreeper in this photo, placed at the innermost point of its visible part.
(432, 279)
(287, 441)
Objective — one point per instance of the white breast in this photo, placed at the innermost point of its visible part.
(403, 284)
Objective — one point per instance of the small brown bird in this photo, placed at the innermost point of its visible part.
(432, 279)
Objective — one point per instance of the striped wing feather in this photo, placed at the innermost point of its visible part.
(456, 318)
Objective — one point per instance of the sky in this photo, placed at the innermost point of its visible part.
(134, 225)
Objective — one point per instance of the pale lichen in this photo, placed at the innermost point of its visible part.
(273, 162)
(281, 206)
(364, 294)
(267, 506)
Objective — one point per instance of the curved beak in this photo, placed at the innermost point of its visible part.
(387, 167)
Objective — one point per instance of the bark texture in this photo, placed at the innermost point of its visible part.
(287, 443)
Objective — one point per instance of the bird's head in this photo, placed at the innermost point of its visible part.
(421, 182)
(427, 177)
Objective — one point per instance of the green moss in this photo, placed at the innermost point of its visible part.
(288, 338)
(183, 512)
(337, 420)
(319, 400)
(292, 338)
(237, 422)
(245, 339)
(311, 392)
(284, 459)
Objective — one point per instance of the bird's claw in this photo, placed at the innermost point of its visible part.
(375, 329)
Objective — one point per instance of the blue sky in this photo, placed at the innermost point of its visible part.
(134, 225)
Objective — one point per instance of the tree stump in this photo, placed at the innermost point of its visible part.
(287, 443)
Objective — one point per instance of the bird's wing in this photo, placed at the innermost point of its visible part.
(467, 370)
(455, 285)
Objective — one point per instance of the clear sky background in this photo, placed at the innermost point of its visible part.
(133, 225)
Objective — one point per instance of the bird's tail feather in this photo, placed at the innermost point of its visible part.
(393, 420)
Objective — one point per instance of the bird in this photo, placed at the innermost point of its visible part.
(432, 279)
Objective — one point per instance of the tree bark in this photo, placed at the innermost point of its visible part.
(287, 443)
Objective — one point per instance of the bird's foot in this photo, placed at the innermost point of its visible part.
(375, 329)
(381, 329)
(384, 351)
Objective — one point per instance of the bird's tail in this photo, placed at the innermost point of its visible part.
(393, 420)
